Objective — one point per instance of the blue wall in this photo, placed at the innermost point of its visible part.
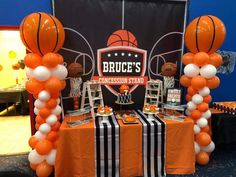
(13, 11)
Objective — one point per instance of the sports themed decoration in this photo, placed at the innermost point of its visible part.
(204, 35)
(168, 70)
(43, 35)
(122, 46)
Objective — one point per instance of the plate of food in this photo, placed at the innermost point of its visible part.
(150, 109)
(104, 111)
(130, 119)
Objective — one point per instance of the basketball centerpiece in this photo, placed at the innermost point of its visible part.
(124, 97)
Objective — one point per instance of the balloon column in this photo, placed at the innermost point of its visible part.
(203, 36)
(44, 35)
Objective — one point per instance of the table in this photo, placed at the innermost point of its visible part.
(223, 128)
(15, 95)
(75, 149)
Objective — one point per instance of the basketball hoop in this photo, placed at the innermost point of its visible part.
(169, 82)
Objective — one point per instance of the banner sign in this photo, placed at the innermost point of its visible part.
(121, 42)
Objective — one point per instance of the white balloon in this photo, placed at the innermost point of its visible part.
(208, 71)
(29, 72)
(36, 111)
(202, 122)
(204, 91)
(191, 70)
(51, 157)
(188, 112)
(197, 99)
(206, 114)
(44, 128)
(39, 104)
(39, 136)
(209, 148)
(191, 106)
(196, 129)
(57, 110)
(35, 158)
(58, 100)
(44, 95)
(60, 72)
(196, 148)
(41, 73)
(51, 120)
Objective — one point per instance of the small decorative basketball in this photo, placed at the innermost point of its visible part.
(205, 34)
(122, 38)
(42, 33)
(168, 69)
(124, 88)
(75, 70)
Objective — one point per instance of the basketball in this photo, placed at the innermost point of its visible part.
(122, 38)
(75, 70)
(42, 33)
(205, 34)
(169, 69)
(124, 88)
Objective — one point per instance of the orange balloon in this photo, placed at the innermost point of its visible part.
(55, 144)
(205, 34)
(196, 114)
(52, 103)
(33, 166)
(33, 86)
(56, 126)
(187, 58)
(63, 84)
(201, 59)
(52, 136)
(206, 129)
(60, 59)
(216, 59)
(44, 112)
(202, 158)
(55, 95)
(44, 169)
(32, 60)
(185, 81)
(43, 147)
(53, 85)
(207, 99)
(213, 82)
(191, 91)
(198, 82)
(42, 33)
(203, 139)
(39, 120)
(203, 107)
(37, 126)
(188, 97)
(32, 142)
(51, 60)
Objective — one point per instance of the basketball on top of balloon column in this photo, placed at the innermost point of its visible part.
(205, 34)
(122, 38)
(42, 33)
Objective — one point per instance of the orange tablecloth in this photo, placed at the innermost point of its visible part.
(75, 149)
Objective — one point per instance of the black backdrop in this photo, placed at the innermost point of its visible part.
(157, 25)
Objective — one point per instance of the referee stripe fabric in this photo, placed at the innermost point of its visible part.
(153, 146)
(107, 147)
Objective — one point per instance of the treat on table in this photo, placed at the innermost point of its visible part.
(150, 108)
(129, 118)
(103, 110)
(124, 96)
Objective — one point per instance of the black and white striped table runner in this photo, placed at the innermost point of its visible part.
(154, 133)
(107, 147)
